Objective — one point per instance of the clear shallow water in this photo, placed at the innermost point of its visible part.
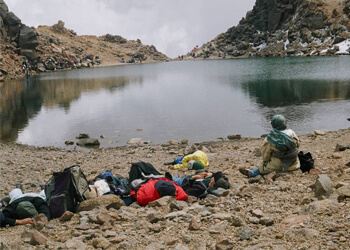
(198, 100)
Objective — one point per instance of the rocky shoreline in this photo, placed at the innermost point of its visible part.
(276, 212)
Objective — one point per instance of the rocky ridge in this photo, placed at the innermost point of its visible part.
(279, 28)
(55, 47)
(280, 211)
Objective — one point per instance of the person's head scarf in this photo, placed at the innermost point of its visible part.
(282, 141)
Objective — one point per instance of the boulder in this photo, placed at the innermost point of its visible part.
(13, 23)
(323, 186)
(88, 142)
(30, 54)
(3, 9)
(27, 38)
(107, 201)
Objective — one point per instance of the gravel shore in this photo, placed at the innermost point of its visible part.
(278, 212)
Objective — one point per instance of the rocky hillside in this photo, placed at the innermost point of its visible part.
(56, 47)
(17, 42)
(285, 28)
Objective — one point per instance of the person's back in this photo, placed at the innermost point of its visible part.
(14, 214)
(279, 150)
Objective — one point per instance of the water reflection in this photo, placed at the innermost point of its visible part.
(22, 100)
(199, 101)
(275, 93)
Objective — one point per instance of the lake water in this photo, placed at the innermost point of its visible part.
(195, 100)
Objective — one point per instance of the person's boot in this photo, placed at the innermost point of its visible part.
(244, 171)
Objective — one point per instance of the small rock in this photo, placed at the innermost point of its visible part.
(195, 224)
(319, 132)
(266, 221)
(257, 213)
(100, 243)
(224, 244)
(102, 136)
(40, 221)
(173, 142)
(254, 220)
(184, 141)
(154, 217)
(299, 234)
(323, 186)
(66, 216)
(163, 201)
(305, 200)
(234, 137)
(87, 142)
(69, 142)
(237, 221)
(135, 141)
(118, 239)
(246, 233)
(223, 216)
(107, 201)
(37, 238)
(76, 243)
(82, 136)
(337, 155)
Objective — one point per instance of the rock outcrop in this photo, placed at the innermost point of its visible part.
(49, 48)
(285, 28)
(19, 43)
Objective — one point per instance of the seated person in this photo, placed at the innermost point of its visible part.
(155, 189)
(23, 207)
(279, 150)
(193, 160)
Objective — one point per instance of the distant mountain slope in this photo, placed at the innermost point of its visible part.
(56, 47)
(285, 28)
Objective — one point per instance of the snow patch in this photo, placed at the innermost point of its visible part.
(344, 47)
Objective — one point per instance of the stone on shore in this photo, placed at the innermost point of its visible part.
(106, 201)
(323, 186)
(88, 142)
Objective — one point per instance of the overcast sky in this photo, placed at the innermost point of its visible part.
(173, 26)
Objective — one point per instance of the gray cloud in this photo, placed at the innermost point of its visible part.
(174, 27)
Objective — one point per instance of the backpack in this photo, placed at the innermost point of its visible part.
(140, 170)
(65, 190)
(118, 186)
(306, 161)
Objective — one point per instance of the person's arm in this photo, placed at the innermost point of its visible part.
(24, 221)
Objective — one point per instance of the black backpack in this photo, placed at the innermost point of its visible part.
(194, 188)
(306, 161)
(140, 169)
(65, 190)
